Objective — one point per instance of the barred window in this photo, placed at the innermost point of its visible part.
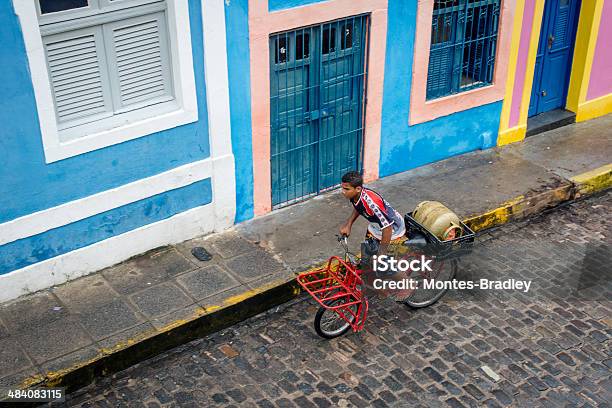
(108, 62)
(463, 46)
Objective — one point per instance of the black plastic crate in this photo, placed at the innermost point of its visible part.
(452, 248)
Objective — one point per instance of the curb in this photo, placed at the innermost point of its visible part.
(522, 206)
(593, 181)
(234, 309)
(253, 302)
(534, 202)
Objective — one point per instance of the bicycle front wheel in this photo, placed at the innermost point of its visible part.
(329, 324)
(423, 296)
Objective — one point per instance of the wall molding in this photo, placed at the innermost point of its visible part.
(72, 211)
(515, 43)
(534, 40)
(218, 107)
(74, 264)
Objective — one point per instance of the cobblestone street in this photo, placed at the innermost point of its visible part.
(549, 346)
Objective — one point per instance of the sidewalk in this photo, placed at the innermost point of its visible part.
(68, 335)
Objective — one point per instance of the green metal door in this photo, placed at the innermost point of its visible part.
(317, 97)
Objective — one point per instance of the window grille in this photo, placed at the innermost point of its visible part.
(463, 46)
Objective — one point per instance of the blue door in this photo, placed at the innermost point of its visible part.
(317, 84)
(554, 55)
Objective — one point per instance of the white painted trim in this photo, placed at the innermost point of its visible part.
(224, 191)
(219, 122)
(182, 71)
(73, 211)
(26, 11)
(83, 261)
(215, 72)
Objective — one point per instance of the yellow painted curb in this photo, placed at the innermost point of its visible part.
(594, 180)
(521, 206)
(497, 216)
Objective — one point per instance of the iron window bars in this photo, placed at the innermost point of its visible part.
(463, 46)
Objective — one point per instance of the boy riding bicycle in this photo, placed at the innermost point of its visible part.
(386, 224)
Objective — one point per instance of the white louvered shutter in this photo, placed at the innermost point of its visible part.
(139, 64)
(78, 77)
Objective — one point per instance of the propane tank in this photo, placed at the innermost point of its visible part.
(438, 219)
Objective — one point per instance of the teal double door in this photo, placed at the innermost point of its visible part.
(317, 103)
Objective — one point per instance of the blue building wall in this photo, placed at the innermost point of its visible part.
(28, 184)
(404, 147)
(27, 251)
(237, 39)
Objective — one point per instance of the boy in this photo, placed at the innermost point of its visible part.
(386, 224)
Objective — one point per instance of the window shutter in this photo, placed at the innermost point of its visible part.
(77, 76)
(139, 56)
(439, 77)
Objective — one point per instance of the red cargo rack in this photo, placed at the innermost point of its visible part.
(337, 286)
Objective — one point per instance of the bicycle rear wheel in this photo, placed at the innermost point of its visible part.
(442, 271)
(328, 324)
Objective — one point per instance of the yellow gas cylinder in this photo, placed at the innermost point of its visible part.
(438, 219)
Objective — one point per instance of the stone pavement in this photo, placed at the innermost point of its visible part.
(548, 347)
(104, 322)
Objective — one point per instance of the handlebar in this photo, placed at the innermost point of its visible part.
(343, 240)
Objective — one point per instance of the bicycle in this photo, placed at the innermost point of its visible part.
(338, 286)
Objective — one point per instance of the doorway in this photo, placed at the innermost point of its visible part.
(554, 56)
(317, 103)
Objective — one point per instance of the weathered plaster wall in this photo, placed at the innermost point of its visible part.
(404, 147)
(50, 210)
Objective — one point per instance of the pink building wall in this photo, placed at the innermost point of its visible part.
(600, 82)
(521, 64)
